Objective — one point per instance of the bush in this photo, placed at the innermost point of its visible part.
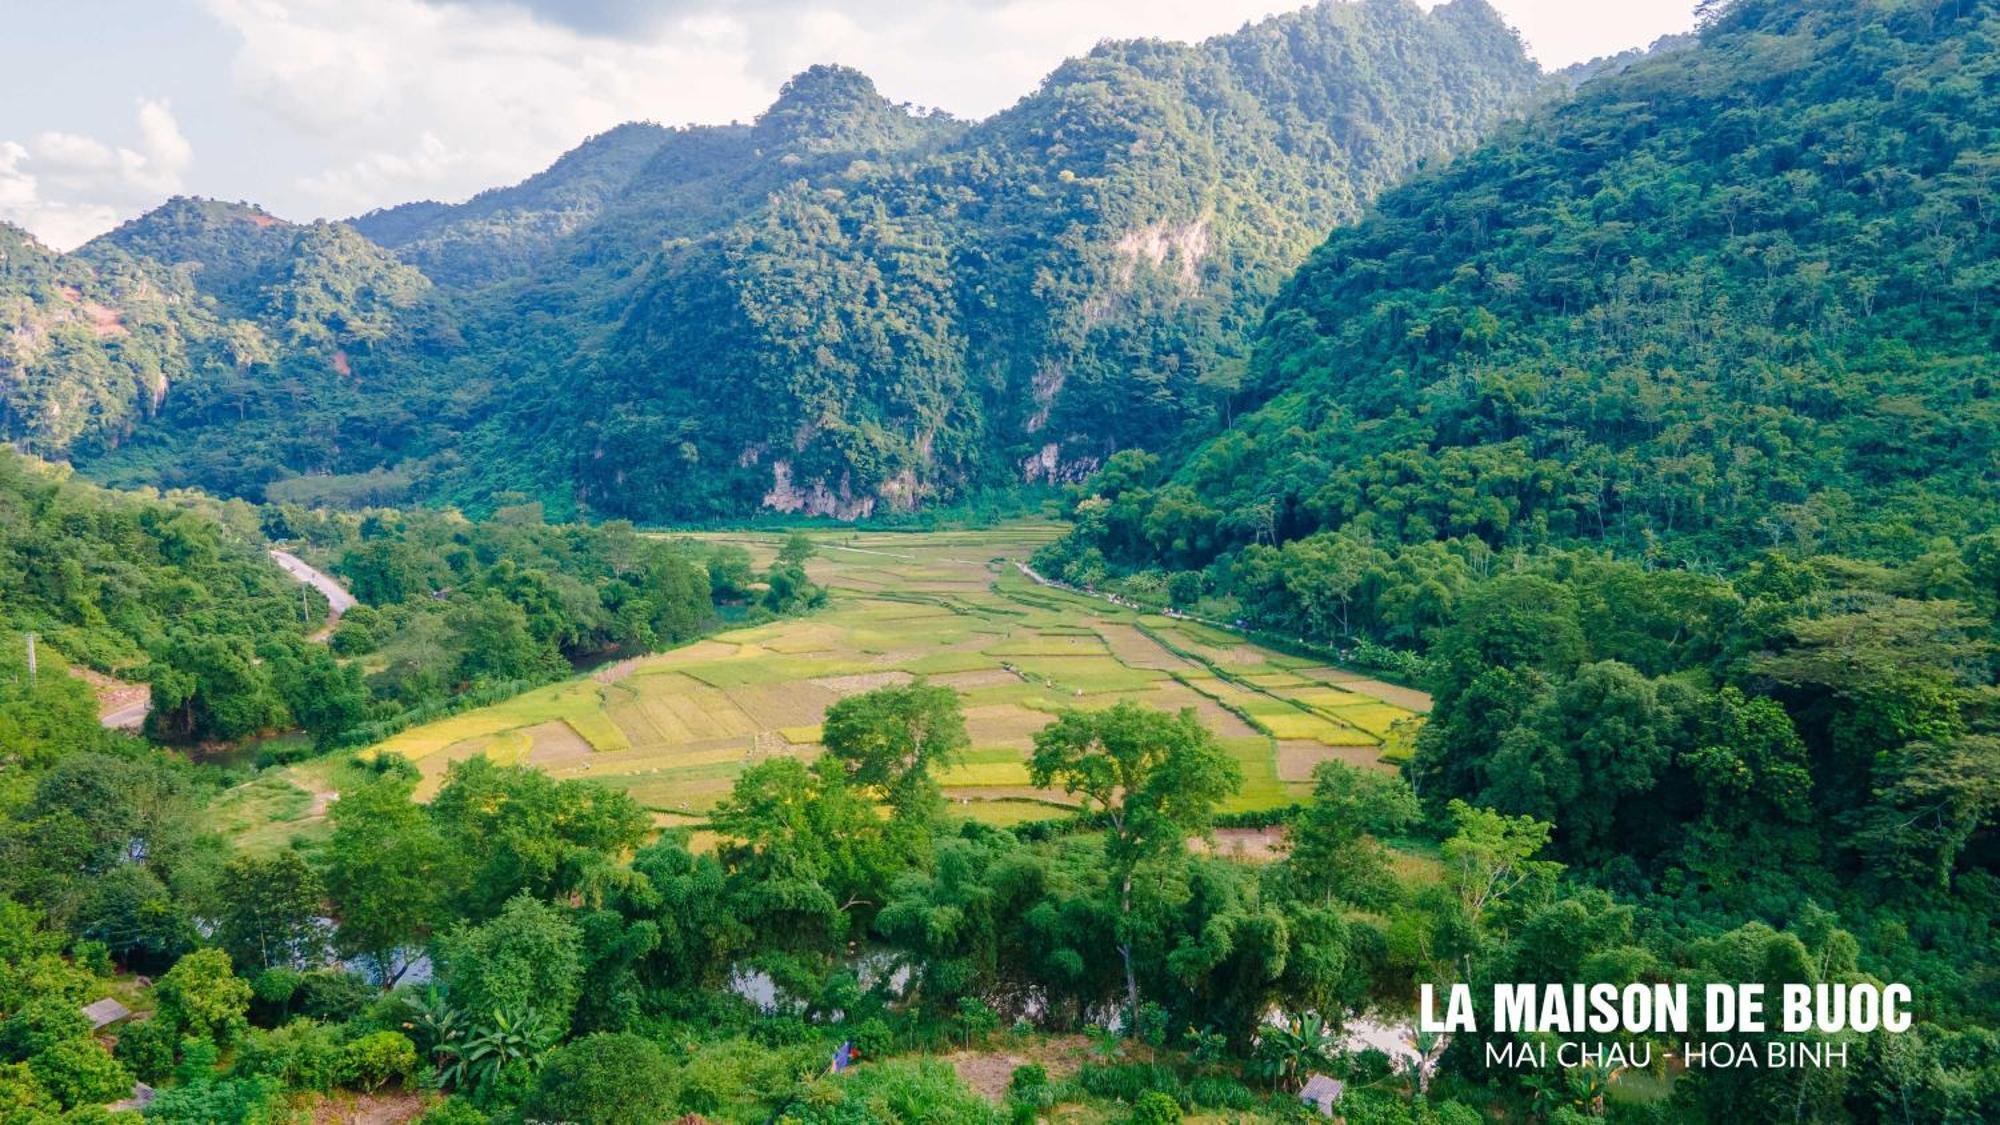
(146, 1047)
(1156, 1108)
(1030, 1076)
(332, 995)
(79, 1072)
(612, 1078)
(1128, 1082)
(873, 1039)
(93, 957)
(1218, 1092)
(303, 1055)
(455, 1111)
(235, 1101)
(373, 1061)
(1030, 1087)
(201, 996)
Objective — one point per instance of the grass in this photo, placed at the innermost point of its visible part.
(676, 728)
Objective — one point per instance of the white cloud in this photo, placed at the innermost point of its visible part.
(406, 98)
(66, 188)
(333, 107)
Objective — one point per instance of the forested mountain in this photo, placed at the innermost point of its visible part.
(846, 306)
(1656, 436)
(908, 307)
(304, 343)
(1731, 298)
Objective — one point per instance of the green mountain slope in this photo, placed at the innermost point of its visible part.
(1738, 297)
(846, 307)
(212, 344)
(904, 308)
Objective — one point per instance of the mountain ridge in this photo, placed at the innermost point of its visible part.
(917, 309)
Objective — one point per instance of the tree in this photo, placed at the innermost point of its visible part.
(891, 739)
(271, 909)
(1489, 857)
(515, 829)
(616, 1079)
(530, 956)
(1156, 778)
(1334, 853)
(388, 871)
(797, 548)
(1933, 799)
(802, 850)
(203, 998)
(493, 642)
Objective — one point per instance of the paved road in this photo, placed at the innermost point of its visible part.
(298, 568)
(131, 716)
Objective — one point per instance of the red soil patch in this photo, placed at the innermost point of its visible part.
(367, 1109)
(104, 322)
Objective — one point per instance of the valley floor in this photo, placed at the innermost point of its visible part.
(675, 728)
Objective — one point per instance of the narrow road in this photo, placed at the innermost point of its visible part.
(338, 600)
(130, 716)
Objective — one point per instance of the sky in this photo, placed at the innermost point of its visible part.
(330, 108)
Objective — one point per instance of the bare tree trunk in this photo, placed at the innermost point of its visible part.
(1125, 952)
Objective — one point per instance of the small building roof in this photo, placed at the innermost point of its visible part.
(105, 1011)
(1321, 1092)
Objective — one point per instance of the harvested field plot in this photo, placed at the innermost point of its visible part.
(676, 728)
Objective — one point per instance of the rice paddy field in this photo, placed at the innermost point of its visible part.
(674, 729)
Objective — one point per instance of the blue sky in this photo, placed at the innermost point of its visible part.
(327, 108)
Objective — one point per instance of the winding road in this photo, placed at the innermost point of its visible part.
(127, 710)
(337, 597)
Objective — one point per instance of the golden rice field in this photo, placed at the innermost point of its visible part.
(675, 729)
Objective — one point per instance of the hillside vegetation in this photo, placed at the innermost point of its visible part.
(1656, 437)
(847, 307)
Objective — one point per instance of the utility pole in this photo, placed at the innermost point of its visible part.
(31, 658)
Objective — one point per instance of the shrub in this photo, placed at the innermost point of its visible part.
(873, 1039)
(454, 1111)
(1128, 1082)
(233, 1101)
(1156, 1108)
(332, 995)
(1030, 1076)
(303, 1055)
(373, 1061)
(146, 1047)
(201, 996)
(79, 1072)
(613, 1078)
(1219, 1092)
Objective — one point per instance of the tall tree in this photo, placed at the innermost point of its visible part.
(390, 874)
(1156, 779)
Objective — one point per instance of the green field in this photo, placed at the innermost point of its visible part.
(675, 729)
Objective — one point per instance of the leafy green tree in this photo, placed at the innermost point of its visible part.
(796, 549)
(1490, 859)
(514, 830)
(270, 912)
(1334, 845)
(529, 956)
(892, 739)
(388, 871)
(802, 850)
(1156, 778)
(202, 997)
